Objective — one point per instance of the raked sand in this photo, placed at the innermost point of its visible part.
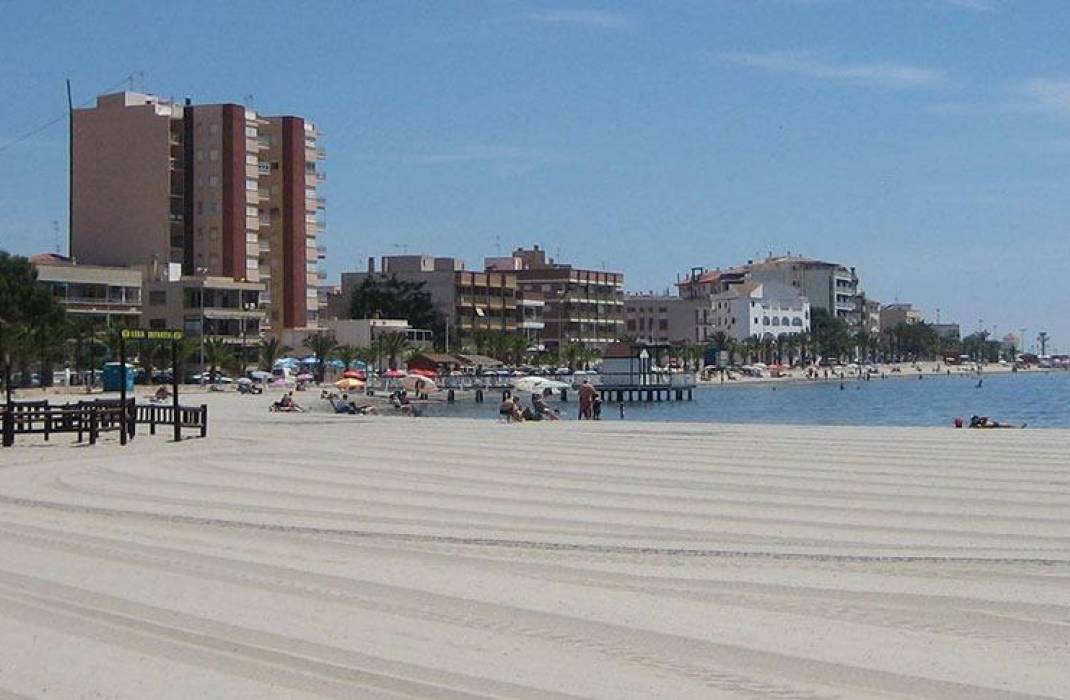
(328, 556)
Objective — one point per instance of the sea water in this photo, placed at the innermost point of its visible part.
(1041, 400)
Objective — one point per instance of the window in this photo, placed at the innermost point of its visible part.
(630, 325)
(250, 131)
(776, 321)
(200, 206)
(213, 181)
(251, 184)
(157, 298)
(210, 207)
(157, 324)
(785, 321)
(213, 128)
(765, 320)
(213, 154)
(663, 324)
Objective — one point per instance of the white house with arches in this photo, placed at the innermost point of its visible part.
(760, 309)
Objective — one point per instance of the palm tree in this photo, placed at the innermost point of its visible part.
(346, 354)
(216, 354)
(366, 355)
(270, 350)
(391, 345)
(767, 346)
(518, 348)
(322, 345)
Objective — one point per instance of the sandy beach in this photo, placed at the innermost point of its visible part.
(316, 555)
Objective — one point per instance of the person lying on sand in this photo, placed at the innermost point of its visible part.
(986, 422)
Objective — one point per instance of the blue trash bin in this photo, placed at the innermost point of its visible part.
(112, 377)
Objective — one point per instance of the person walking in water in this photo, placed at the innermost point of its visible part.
(586, 400)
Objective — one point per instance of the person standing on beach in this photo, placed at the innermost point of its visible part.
(586, 399)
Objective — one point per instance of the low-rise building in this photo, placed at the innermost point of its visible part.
(650, 318)
(755, 309)
(893, 315)
(947, 331)
(469, 302)
(825, 285)
(579, 305)
(106, 296)
(205, 306)
(364, 332)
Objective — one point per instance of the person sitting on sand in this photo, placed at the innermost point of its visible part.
(287, 404)
(162, 394)
(507, 410)
(541, 409)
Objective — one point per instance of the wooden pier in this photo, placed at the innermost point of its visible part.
(644, 393)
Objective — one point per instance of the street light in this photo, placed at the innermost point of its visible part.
(202, 272)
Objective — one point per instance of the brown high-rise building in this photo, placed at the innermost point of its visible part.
(218, 189)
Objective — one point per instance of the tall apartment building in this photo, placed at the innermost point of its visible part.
(580, 306)
(218, 189)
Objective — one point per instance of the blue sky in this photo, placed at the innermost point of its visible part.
(926, 142)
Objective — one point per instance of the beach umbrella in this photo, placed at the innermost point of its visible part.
(394, 374)
(536, 385)
(349, 384)
(419, 384)
(353, 374)
(244, 381)
(304, 377)
(260, 374)
(429, 373)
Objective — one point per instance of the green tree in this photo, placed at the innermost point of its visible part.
(271, 350)
(831, 335)
(391, 346)
(217, 354)
(322, 345)
(390, 297)
(27, 313)
(347, 355)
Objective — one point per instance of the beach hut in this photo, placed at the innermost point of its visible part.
(626, 365)
(479, 363)
(437, 362)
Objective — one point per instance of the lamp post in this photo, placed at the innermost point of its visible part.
(247, 307)
(201, 272)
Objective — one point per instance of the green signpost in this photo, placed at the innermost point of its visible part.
(172, 336)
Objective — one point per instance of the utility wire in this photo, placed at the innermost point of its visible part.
(52, 122)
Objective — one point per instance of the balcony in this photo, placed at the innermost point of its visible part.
(263, 195)
(321, 252)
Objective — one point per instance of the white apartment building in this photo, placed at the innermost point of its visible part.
(760, 309)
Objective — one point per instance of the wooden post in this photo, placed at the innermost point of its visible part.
(204, 420)
(152, 419)
(175, 369)
(122, 389)
(92, 425)
(9, 427)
